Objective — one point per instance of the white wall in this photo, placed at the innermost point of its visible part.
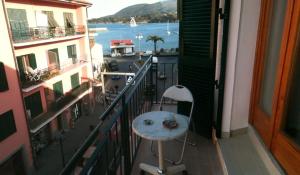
(41, 52)
(31, 10)
(234, 24)
(244, 63)
(243, 27)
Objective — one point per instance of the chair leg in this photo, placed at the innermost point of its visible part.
(183, 149)
(188, 142)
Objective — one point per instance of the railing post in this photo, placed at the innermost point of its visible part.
(156, 85)
(151, 80)
(125, 137)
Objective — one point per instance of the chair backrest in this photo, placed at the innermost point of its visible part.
(178, 93)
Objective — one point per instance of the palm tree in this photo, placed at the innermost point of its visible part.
(154, 38)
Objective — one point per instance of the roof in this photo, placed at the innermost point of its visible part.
(121, 42)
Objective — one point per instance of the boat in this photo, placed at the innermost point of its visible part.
(168, 30)
(132, 22)
(121, 48)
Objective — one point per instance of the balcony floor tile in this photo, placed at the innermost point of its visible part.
(202, 159)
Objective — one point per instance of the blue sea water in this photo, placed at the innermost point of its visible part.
(124, 31)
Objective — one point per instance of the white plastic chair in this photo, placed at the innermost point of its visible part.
(182, 94)
(33, 74)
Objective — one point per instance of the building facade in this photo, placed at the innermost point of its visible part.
(15, 148)
(51, 69)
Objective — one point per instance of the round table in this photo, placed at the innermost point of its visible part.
(157, 132)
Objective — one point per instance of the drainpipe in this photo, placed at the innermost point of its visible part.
(225, 16)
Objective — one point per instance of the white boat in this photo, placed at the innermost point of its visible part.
(132, 22)
(168, 30)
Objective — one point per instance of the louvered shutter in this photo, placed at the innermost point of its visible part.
(58, 89)
(75, 80)
(21, 68)
(33, 103)
(32, 61)
(3, 78)
(7, 125)
(18, 23)
(197, 59)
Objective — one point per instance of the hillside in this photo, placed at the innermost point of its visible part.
(148, 13)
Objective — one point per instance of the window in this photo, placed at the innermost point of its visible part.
(68, 20)
(58, 89)
(53, 58)
(34, 105)
(18, 23)
(24, 63)
(69, 25)
(14, 165)
(3, 79)
(75, 80)
(7, 125)
(51, 20)
(72, 53)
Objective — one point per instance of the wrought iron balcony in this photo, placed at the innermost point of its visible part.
(113, 143)
(42, 33)
(37, 76)
(68, 98)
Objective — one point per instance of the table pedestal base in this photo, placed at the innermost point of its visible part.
(156, 171)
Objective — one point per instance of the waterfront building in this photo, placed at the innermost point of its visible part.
(15, 148)
(46, 55)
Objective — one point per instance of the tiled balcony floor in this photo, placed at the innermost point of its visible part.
(199, 160)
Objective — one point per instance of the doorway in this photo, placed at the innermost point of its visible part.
(276, 96)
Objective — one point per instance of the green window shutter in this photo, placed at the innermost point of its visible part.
(196, 67)
(75, 80)
(7, 125)
(58, 89)
(21, 68)
(19, 24)
(72, 53)
(17, 18)
(34, 104)
(32, 61)
(3, 78)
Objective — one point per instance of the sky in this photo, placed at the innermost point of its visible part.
(108, 7)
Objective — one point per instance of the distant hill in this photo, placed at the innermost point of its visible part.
(149, 13)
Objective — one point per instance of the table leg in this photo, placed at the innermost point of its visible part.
(161, 157)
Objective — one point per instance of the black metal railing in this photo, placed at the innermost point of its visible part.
(56, 106)
(116, 144)
(69, 97)
(40, 75)
(40, 33)
(165, 74)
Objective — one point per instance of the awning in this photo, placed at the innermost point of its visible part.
(69, 20)
(51, 20)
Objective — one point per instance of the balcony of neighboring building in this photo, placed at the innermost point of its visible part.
(57, 102)
(32, 25)
(35, 72)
